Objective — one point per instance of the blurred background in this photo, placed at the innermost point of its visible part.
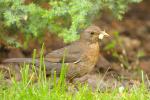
(26, 24)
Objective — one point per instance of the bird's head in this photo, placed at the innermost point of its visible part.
(93, 34)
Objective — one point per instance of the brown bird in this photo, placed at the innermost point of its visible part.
(80, 57)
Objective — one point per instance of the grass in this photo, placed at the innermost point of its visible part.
(53, 89)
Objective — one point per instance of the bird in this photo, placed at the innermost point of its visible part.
(80, 57)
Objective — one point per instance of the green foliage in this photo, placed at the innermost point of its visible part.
(10, 41)
(64, 17)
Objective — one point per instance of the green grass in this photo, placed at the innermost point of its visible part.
(50, 89)
(53, 89)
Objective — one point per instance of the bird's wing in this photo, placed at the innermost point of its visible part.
(71, 53)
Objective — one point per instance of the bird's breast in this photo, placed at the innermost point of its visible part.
(92, 53)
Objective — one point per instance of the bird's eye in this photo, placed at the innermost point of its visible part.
(92, 33)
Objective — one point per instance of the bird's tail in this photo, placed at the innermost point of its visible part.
(21, 60)
(48, 65)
